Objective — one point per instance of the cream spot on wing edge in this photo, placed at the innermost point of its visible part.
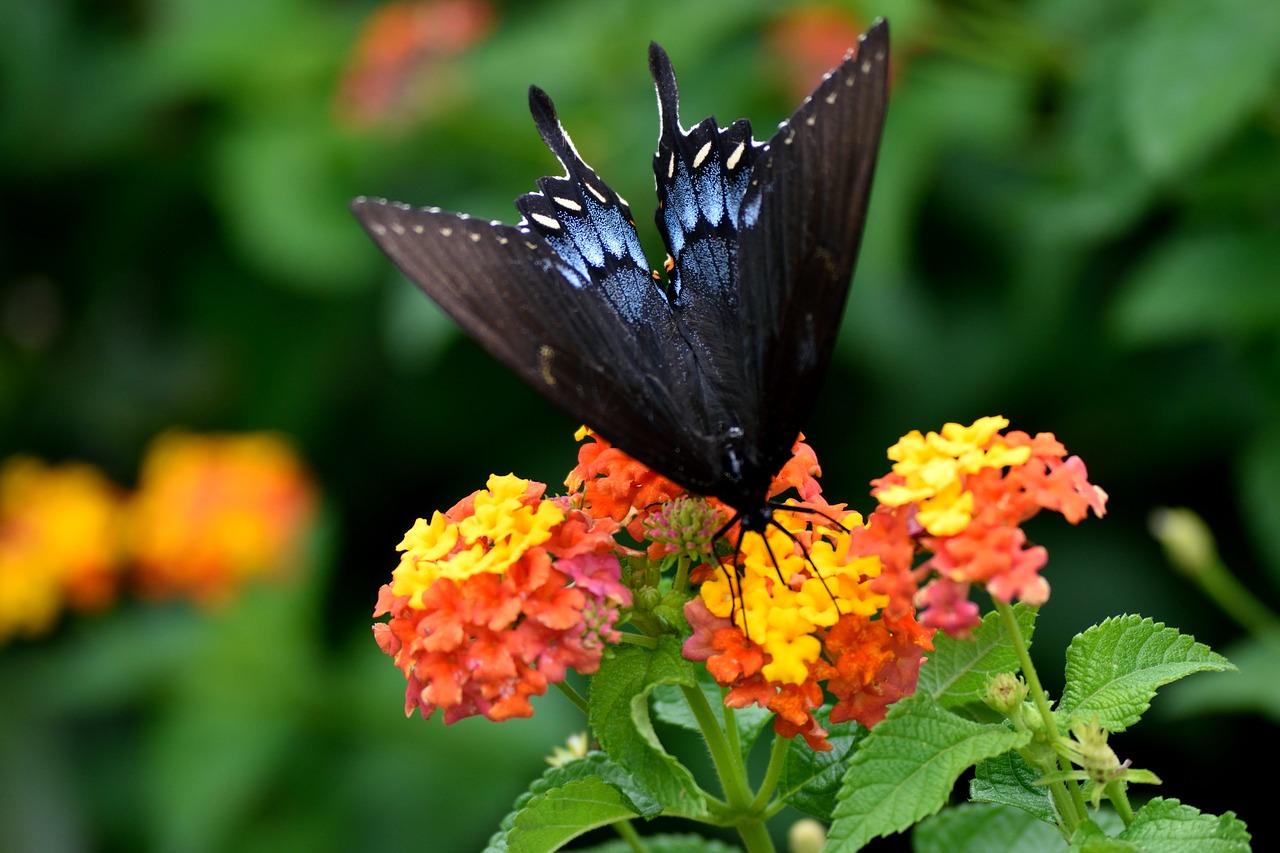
(595, 192)
(732, 162)
(546, 221)
(568, 204)
(545, 354)
(446, 232)
(702, 154)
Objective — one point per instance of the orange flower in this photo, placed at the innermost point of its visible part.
(58, 543)
(212, 511)
(396, 65)
(810, 41)
(497, 599)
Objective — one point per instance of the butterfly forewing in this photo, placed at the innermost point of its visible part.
(801, 224)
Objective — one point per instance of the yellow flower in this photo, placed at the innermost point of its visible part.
(783, 608)
(58, 543)
(931, 470)
(505, 522)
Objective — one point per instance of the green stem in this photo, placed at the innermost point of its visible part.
(645, 640)
(731, 771)
(777, 759)
(629, 835)
(574, 696)
(682, 574)
(1235, 599)
(1118, 793)
(1067, 798)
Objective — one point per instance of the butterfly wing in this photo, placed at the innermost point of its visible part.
(565, 300)
(800, 225)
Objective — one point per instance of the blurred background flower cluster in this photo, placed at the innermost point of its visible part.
(220, 406)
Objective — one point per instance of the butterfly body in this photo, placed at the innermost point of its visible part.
(708, 377)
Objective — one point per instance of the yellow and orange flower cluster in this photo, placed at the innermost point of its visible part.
(823, 602)
(213, 511)
(496, 599)
(209, 513)
(961, 496)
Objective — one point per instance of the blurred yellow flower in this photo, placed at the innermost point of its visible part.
(212, 511)
(58, 545)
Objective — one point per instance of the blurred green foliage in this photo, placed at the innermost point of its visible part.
(1075, 223)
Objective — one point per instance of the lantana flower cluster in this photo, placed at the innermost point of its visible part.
(497, 598)
(961, 496)
(210, 513)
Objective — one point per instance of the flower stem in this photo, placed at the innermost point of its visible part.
(732, 773)
(638, 639)
(573, 696)
(629, 835)
(777, 759)
(1067, 798)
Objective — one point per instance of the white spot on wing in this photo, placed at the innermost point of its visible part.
(671, 167)
(417, 228)
(475, 236)
(567, 203)
(546, 221)
(595, 192)
(702, 154)
(831, 99)
(732, 162)
(446, 232)
(810, 120)
(397, 227)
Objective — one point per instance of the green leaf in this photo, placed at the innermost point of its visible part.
(550, 820)
(1193, 75)
(957, 671)
(1167, 826)
(1114, 669)
(1202, 286)
(985, 828)
(619, 717)
(811, 780)
(1008, 780)
(907, 766)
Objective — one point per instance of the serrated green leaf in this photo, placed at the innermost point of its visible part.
(1113, 669)
(1167, 298)
(619, 717)
(550, 820)
(599, 765)
(985, 828)
(811, 780)
(1192, 76)
(1008, 780)
(1167, 826)
(957, 671)
(906, 767)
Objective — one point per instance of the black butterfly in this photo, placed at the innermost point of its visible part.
(708, 377)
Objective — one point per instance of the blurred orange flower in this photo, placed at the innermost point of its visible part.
(401, 48)
(58, 544)
(214, 510)
(810, 41)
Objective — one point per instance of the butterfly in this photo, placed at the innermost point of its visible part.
(705, 377)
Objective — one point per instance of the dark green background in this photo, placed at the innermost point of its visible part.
(1075, 224)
